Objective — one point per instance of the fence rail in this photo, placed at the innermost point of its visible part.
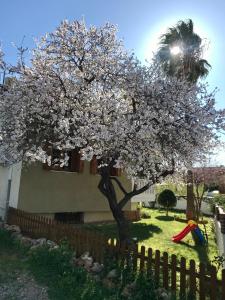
(184, 279)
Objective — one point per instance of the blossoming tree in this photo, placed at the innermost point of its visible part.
(83, 90)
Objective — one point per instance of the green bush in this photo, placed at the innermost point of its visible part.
(145, 214)
(167, 199)
(219, 200)
(6, 240)
(65, 281)
(9, 245)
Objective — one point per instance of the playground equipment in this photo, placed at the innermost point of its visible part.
(192, 226)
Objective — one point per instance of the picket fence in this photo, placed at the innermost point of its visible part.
(186, 280)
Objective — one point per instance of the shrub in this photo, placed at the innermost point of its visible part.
(64, 280)
(167, 199)
(7, 243)
(145, 214)
(219, 200)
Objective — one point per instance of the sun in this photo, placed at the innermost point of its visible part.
(175, 50)
(150, 44)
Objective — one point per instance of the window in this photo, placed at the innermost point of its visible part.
(94, 168)
(74, 163)
(70, 217)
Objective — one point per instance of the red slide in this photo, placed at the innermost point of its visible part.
(183, 233)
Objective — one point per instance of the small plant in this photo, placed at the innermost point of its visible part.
(219, 261)
(7, 243)
(145, 214)
(167, 199)
(219, 200)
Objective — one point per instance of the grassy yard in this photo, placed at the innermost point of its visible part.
(156, 232)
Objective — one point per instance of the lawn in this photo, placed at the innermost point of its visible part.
(156, 232)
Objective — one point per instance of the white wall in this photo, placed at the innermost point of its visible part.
(7, 173)
(15, 185)
(182, 205)
(145, 197)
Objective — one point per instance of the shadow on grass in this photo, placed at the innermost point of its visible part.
(202, 251)
(165, 218)
(141, 231)
(144, 231)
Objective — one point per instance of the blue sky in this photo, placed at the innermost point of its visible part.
(139, 22)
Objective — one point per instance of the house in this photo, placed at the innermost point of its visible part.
(68, 193)
(213, 177)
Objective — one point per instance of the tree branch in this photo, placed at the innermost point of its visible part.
(128, 196)
(119, 184)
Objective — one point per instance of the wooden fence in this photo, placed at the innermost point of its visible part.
(132, 215)
(80, 240)
(184, 279)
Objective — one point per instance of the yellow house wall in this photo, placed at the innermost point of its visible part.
(90, 217)
(43, 191)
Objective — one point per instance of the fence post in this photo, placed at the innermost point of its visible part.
(173, 273)
(165, 271)
(192, 279)
(183, 278)
(135, 257)
(202, 281)
(223, 284)
(142, 258)
(213, 283)
(149, 262)
(157, 266)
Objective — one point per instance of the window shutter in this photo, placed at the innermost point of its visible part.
(94, 166)
(48, 150)
(77, 165)
(115, 171)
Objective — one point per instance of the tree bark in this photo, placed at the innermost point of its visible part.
(190, 211)
(123, 226)
(107, 188)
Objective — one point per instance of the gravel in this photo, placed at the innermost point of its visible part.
(23, 287)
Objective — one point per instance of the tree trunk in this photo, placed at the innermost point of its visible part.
(123, 226)
(107, 188)
(190, 211)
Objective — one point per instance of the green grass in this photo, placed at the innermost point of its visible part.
(157, 231)
(11, 258)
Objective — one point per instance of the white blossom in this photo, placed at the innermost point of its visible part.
(84, 90)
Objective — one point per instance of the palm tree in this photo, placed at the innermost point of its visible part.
(180, 52)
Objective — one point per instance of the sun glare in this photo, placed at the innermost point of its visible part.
(151, 42)
(175, 50)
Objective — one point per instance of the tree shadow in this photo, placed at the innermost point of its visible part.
(165, 218)
(143, 231)
(140, 231)
(202, 251)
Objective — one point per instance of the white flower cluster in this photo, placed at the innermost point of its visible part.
(84, 90)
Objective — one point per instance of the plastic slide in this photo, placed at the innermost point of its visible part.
(199, 235)
(183, 233)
